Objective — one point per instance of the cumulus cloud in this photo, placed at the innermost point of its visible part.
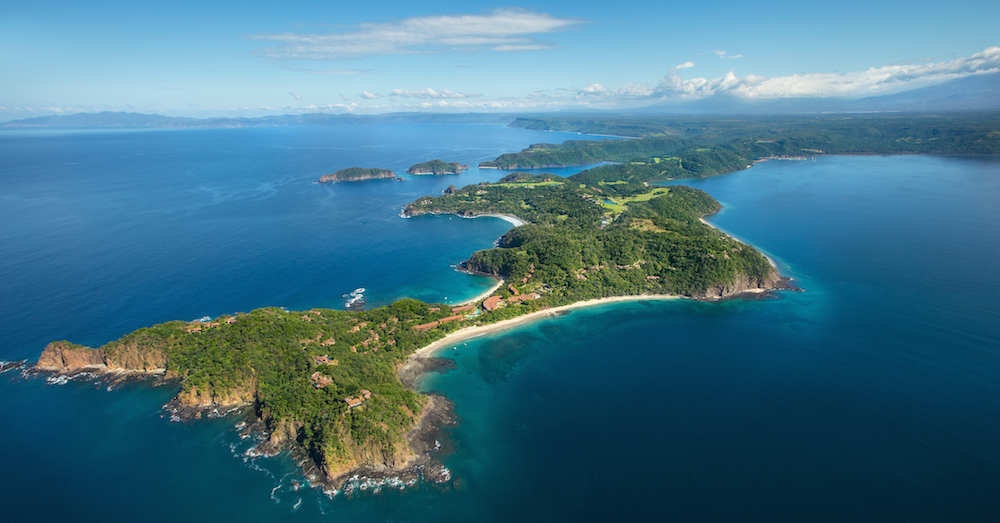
(685, 65)
(870, 82)
(369, 96)
(430, 93)
(502, 30)
(594, 89)
(295, 95)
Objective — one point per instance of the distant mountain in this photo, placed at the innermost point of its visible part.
(121, 119)
(972, 93)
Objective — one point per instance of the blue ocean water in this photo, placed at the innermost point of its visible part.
(873, 395)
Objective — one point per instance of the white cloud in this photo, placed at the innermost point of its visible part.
(870, 82)
(502, 30)
(295, 95)
(594, 89)
(430, 93)
(685, 65)
(369, 96)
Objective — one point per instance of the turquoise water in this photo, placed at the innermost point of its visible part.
(873, 395)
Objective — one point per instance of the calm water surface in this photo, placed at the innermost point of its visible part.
(874, 395)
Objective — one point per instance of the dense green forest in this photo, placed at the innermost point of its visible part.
(437, 167)
(270, 356)
(606, 238)
(357, 173)
(729, 142)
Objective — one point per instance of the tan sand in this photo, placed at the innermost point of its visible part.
(482, 296)
(480, 330)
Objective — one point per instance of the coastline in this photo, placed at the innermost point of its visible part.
(483, 295)
(509, 218)
(480, 330)
(766, 257)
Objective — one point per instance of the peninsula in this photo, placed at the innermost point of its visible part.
(357, 174)
(336, 387)
(437, 167)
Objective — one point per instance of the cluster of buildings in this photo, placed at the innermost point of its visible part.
(354, 403)
(324, 360)
(319, 380)
(200, 326)
(495, 302)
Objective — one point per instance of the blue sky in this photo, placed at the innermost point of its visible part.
(253, 58)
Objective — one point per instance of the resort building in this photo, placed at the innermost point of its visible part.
(492, 303)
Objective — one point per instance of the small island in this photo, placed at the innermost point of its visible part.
(357, 174)
(437, 167)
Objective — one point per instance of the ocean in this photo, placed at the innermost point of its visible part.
(872, 395)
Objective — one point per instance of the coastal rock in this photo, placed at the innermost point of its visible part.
(64, 357)
(133, 357)
(208, 397)
(742, 284)
(408, 461)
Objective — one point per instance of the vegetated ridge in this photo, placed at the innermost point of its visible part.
(702, 146)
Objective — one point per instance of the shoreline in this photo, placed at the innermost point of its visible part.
(481, 330)
(509, 218)
(483, 295)
(766, 257)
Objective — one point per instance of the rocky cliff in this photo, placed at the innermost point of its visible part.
(65, 357)
(743, 284)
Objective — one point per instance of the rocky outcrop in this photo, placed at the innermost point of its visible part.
(63, 356)
(134, 357)
(207, 397)
(406, 461)
(743, 284)
(66, 358)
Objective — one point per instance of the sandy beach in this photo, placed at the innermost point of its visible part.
(509, 218)
(480, 330)
(482, 296)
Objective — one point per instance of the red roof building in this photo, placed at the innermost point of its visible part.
(492, 303)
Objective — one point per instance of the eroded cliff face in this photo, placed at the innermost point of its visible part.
(742, 284)
(206, 397)
(63, 356)
(133, 356)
